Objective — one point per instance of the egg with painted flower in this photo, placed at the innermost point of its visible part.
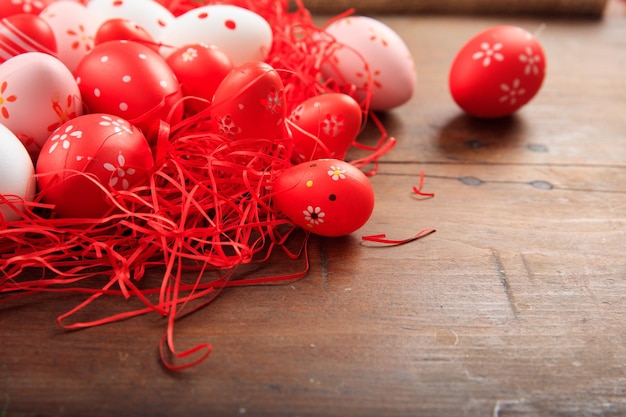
(328, 197)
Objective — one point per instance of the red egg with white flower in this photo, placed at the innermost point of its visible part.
(23, 33)
(200, 69)
(497, 72)
(324, 126)
(249, 103)
(328, 197)
(86, 159)
(131, 81)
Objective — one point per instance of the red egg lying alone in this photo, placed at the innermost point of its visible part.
(86, 154)
(497, 72)
(325, 126)
(328, 197)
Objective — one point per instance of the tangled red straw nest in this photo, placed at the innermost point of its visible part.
(205, 207)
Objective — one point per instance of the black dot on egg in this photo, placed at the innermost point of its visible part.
(312, 165)
(332, 197)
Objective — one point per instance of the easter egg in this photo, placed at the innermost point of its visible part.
(328, 197)
(87, 155)
(118, 29)
(369, 55)
(12, 7)
(325, 126)
(131, 81)
(249, 103)
(25, 32)
(148, 14)
(17, 181)
(74, 28)
(242, 34)
(497, 72)
(37, 94)
(200, 69)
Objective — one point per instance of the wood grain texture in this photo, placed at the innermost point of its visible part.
(515, 306)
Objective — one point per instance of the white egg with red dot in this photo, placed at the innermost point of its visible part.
(240, 33)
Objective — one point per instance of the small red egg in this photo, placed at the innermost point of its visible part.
(200, 69)
(249, 103)
(497, 72)
(325, 126)
(118, 29)
(86, 154)
(328, 197)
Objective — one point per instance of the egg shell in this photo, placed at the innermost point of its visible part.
(38, 84)
(118, 29)
(242, 34)
(200, 69)
(328, 197)
(131, 81)
(12, 7)
(325, 126)
(17, 181)
(149, 14)
(249, 103)
(497, 72)
(74, 28)
(368, 52)
(25, 32)
(103, 147)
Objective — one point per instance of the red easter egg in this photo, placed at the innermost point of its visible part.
(11, 7)
(200, 69)
(249, 103)
(325, 126)
(24, 32)
(497, 72)
(118, 29)
(130, 80)
(328, 197)
(95, 147)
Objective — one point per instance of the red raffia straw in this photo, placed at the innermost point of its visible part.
(203, 213)
(384, 241)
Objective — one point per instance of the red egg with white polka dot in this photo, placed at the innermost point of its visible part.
(131, 81)
(87, 155)
(200, 69)
(249, 103)
(497, 72)
(25, 32)
(118, 29)
(324, 126)
(328, 197)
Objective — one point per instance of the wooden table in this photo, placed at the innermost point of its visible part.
(515, 306)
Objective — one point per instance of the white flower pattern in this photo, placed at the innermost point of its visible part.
(313, 215)
(119, 172)
(64, 138)
(190, 54)
(28, 6)
(512, 92)
(531, 60)
(488, 52)
(119, 126)
(336, 173)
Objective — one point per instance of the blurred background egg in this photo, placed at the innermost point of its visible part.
(149, 14)
(328, 197)
(17, 181)
(368, 52)
(37, 94)
(242, 34)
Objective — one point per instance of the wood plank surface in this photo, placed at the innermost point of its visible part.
(515, 306)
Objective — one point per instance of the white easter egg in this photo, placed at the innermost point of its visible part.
(74, 28)
(37, 94)
(242, 34)
(149, 14)
(369, 54)
(17, 181)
